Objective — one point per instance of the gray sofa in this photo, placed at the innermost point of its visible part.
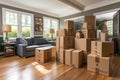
(28, 49)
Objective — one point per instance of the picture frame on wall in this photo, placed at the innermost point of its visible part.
(38, 28)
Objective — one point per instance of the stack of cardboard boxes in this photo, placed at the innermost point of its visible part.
(65, 40)
(100, 59)
(89, 33)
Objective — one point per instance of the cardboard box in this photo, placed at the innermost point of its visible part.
(105, 49)
(62, 56)
(71, 42)
(68, 57)
(86, 25)
(85, 56)
(91, 21)
(43, 55)
(79, 35)
(69, 24)
(89, 33)
(64, 42)
(58, 55)
(83, 44)
(103, 37)
(102, 65)
(62, 32)
(57, 43)
(77, 56)
(94, 47)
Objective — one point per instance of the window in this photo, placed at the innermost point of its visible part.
(22, 23)
(48, 24)
(110, 27)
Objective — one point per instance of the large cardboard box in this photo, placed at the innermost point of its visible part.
(86, 25)
(68, 57)
(62, 32)
(77, 56)
(102, 65)
(62, 56)
(69, 24)
(71, 42)
(101, 48)
(64, 42)
(89, 33)
(91, 21)
(83, 44)
(57, 43)
(105, 49)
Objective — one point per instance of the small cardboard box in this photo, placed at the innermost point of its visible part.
(69, 24)
(57, 43)
(83, 44)
(77, 58)
(68, 57)
(62, 56)
(62, 32)
(102, 65)
(103, 37)
(64, 42)
(105, 49)
(71, 42)
(89, 33)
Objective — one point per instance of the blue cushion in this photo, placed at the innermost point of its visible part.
(39, 41)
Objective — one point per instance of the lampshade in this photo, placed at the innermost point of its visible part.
(52, 31)
(6, 28)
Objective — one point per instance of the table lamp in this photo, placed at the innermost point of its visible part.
(52, 31)
(6, 28)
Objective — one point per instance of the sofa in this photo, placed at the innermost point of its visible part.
(26, 47)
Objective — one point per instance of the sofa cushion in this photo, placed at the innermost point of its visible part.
(45, 45)
(39, 41)
(32, 48)
(29, 41)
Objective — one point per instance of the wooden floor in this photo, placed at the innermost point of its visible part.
(16, 68)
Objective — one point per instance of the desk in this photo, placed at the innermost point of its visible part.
(9, 49)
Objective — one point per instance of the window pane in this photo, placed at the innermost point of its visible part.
(25, 31)
(26, 20)
(47, 28)
(14, 32)
(110, 27)
(54, 24)
(11, 18)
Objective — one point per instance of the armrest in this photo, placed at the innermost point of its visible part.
(21, 49)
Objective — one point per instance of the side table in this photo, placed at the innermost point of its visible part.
(9, 49)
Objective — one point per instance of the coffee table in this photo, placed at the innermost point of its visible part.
(45, 54)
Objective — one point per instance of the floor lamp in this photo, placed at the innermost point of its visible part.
(6, 29)
(52, 31)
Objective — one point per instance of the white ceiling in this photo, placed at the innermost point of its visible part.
(54, 7)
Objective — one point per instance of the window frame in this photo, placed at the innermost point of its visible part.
(19, 21)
